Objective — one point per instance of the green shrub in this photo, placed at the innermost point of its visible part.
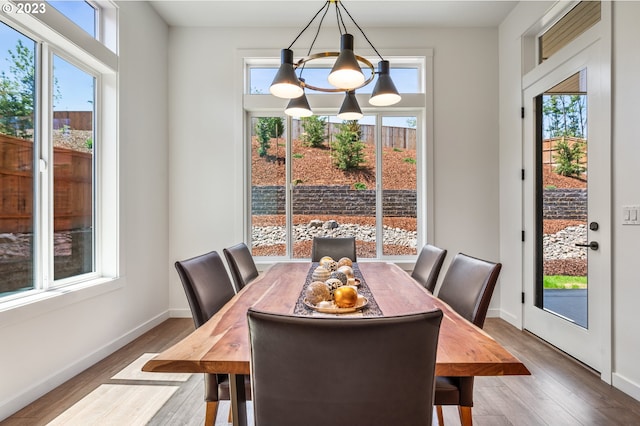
(266, 129)
(347, 151)
(359, 186)
(275, 126)
(410, 160)
(397, 149)
(568, 159)
(298, 155)
(314, 131)
(263, 135)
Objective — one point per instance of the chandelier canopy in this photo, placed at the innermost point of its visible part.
(346, 74)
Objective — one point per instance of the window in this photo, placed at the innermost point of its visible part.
(320, 176)
(51, 154)
(407, 79)
(80, 13)
(579, 19)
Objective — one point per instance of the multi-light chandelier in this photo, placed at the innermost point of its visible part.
(346, 74)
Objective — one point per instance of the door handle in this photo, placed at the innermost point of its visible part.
(593, 245)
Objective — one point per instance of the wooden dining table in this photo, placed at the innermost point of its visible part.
(222, 345)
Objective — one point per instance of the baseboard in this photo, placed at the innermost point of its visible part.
(510, 318)
(625, 385)
(180, 313)
(493, 313)
(11, 406)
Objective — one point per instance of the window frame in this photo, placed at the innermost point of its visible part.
(98, 57)
(418, 104)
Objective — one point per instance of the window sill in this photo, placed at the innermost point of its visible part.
(25, 308)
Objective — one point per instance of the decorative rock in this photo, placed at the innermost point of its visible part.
(315, 223)
(330, 224)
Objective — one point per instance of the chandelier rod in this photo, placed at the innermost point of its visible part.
(317, 33)
(361, 30)
(326, 5)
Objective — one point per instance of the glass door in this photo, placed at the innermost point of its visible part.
(566, 209)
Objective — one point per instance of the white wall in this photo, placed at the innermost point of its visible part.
(45, 344)
(626, 156)
(206, 167)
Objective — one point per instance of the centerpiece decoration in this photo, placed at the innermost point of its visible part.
(333, 290)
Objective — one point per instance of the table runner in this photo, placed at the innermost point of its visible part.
(371, 310)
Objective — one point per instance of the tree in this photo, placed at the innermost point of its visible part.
(262, 133)
(347, 149)
(267, 128)
(17, 93)
(568, 158)
(314, 131)
(564, 115)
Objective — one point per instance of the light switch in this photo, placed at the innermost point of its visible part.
(631, 215)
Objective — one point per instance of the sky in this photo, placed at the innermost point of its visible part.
(75, 87)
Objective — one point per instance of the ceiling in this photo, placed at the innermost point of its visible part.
(369, 13)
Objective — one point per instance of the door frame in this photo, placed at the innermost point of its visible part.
(591, 51)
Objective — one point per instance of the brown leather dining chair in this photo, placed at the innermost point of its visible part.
(240, 261)
(208, 287)
(374, 371)
(467, 287)
(334, 247)
(428, 265)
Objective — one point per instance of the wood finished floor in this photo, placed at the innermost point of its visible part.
(560, 391)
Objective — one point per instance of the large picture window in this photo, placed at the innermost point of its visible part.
(348, 178)
(50, 153)
(322, 176)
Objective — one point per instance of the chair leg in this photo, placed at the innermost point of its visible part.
(212, 411)
(230, 415)
(465, 416)
(440, 416)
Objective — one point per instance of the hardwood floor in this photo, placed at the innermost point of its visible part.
(560, 391)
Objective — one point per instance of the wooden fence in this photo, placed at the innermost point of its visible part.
(392, 137)
(72, 176)
(75, 120)
(550, 149)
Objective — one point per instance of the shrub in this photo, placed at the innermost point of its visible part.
(267, 128)
(297, 155)
(275, 126)
(314, 131)
(263, 135)
(410, 160)
(359, 186)
(568, 159)
(347, 149)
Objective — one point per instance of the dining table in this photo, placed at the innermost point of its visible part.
(221, 345)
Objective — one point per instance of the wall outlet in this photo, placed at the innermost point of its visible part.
(631, 215)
